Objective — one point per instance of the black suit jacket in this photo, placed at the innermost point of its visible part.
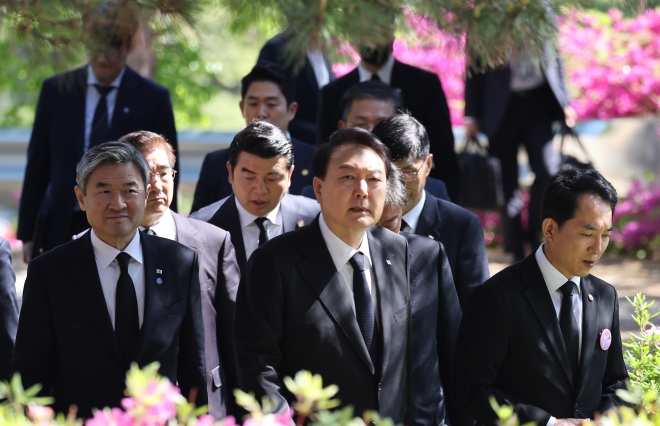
(436, 315)
(510, 346)
(57, 144)
(219, 276)
(423, 97)
(224, 214)
(8, 309)
(66, 340)
(213, 184)
(293, 313)
(303, 125)
(461, 233)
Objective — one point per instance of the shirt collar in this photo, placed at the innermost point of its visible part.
(341, 252)
(92, 80)
(165, 224)
(384, 73)
(412, 217)
(246, 218)
(553, 278)
(105, 253)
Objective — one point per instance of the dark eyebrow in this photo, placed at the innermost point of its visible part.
(593, 228)
(272, 172)
(349, 167)
(268, 98)
(102, 184)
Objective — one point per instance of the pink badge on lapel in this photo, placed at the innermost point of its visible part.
(605, 339)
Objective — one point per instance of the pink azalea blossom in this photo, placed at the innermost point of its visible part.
(111, 417)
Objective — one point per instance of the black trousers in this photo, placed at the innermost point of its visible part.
(527, 121)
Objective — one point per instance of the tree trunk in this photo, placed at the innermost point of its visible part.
(141, 58)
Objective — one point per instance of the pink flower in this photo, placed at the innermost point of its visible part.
(110, 417)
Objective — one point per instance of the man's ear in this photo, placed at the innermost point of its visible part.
(80, 197)
(291, 174)
(341, 124)
(549, 228)
(293, 109)
(147, 190)
(231, 174)
(429, 164)
(317, 183)
(240, 105)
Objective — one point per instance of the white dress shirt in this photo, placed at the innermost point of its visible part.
(164, 227)
(384, 73)
(319, 66)
(412, 217)
(92, 100)
(250, 229)
(554, 280)
(108, 268)
(341, 253)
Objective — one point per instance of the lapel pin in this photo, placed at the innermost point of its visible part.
(605, 339)
(304, 172)
(159, 281)
(127, 110)
(388, 262)
(300, 223)
(431, 237)
(591, 298)
(159, 271)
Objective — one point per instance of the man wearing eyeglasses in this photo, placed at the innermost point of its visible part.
(78, 110)
(456, 228)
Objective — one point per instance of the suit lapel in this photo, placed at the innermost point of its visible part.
(83, 268)
(429, 220)
(289, 216)
(227, 218)
(186, 234)
(385, 296)
(319, 271)
(154, 293)
(589, 327)
(538, 297)
(122, 104)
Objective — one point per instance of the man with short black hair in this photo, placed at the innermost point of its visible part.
(267, 94)
(113, 297)
(78, 110)
(259, 168)
(456, 228)
(367, 104)
(543, 335)
(332, 297)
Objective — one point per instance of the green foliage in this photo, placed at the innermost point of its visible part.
(643, 354)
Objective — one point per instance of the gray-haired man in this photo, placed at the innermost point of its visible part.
(115, 296)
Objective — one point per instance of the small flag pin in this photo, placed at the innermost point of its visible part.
(388, 262)
(301, 223)
(159, 271)
(431, 237)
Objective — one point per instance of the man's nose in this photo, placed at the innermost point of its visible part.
(362, 188)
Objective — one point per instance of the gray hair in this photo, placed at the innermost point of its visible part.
(397, 193)
(110, 153)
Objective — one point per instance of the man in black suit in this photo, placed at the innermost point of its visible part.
(113, 297)
(8, 309)
(267, 95)
(76, 111)
(517, 105)
(259, 167)
(332, 297)
(456, 228)
(315, 72)
(219, 274)
(543, 335)
(422, 95)
(436, 315)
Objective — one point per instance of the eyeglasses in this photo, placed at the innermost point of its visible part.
(410, 174)
(164, 175)
(110, 53)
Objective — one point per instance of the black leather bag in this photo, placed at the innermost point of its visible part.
(481, 178)
(569, 160)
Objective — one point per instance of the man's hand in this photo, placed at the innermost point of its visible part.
(27, 251)
(570, 422)
(471, 129)
(570, 115)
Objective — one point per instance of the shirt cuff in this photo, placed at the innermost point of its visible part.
(551, 421)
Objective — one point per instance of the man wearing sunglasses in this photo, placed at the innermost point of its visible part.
(78, 110)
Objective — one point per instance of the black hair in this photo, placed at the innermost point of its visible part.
(268, 71)
(404, 136)
(109, 25)
(370, 89)
(349, 136)
(561, 195)
(263, 140)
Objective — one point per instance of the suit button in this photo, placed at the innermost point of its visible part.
(379, 386)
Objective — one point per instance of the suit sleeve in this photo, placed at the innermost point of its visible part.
(474, 81)
(228, 277)
(191, 371)
(481, 347)
(165, 126)
(615, 375)
(204, 189)
(37, 170)
(324, 125)
(258, 328)
(8, 310)
(472, 263)
(35, 352)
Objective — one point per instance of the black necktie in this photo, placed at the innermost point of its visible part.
(263, 235)
(149, 231)
(569, 328)
(405, 226)
(375, 77)
(364, 307)
(127, 322)
(100, 122)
